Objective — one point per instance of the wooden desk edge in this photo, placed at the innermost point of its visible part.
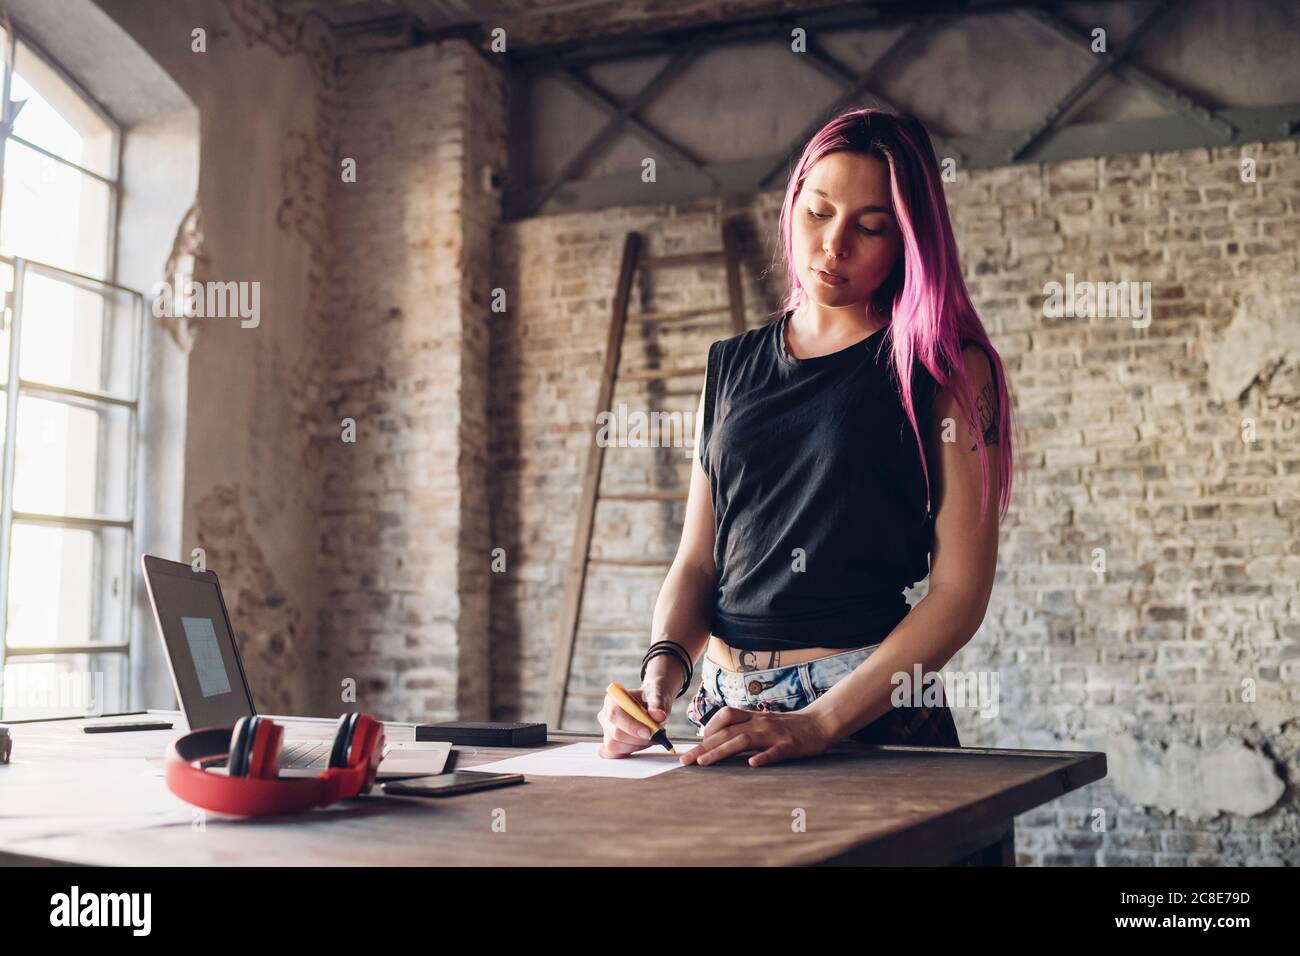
(951, 835)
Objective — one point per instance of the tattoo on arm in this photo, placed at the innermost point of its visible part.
(987, 405)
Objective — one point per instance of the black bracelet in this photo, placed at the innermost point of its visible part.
(679, 654)
(685, 656)
(668, 645)
(667, 651)
(674, 644)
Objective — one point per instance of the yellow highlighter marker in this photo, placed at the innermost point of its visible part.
(626, 701)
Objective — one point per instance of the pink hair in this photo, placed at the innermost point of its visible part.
(925, 296)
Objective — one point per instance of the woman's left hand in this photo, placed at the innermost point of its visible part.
(777, 735)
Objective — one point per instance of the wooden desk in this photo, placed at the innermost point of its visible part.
(862, 806)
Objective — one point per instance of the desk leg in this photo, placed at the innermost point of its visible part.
(1000, 852)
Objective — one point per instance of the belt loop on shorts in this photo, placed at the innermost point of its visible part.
(805, 680)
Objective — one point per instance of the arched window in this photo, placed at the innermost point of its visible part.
(69, 374)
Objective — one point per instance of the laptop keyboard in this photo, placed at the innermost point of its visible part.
(304, 753)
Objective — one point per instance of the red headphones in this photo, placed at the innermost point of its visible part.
(251, 751)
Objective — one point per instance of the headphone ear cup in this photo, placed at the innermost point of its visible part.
(264, 756)
(343, 740)
(371, 731)
(241, 739)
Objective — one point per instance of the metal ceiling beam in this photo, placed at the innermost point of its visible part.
(1040, 131)
(986, 151)
(597, 97)
(350, 16)
(624, 114)
(1168, 94)
(845, 16)
(847, 99)
(1048, 140)
(602, 140)
(818, 58)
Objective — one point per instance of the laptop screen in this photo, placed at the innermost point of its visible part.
(200, 649)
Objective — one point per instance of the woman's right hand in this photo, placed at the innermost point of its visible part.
(624, 734)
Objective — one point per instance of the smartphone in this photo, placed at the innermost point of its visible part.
(446, 784)
(120, 728)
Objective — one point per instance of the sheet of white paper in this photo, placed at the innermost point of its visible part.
(583, 760)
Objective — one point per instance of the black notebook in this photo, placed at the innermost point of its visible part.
(484, 733)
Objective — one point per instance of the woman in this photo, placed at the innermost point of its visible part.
(826, 477)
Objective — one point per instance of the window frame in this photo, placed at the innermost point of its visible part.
(15, 387)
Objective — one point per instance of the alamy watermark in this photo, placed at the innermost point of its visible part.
(132, 911)
(974, 689)
(188, 299)
(1091, 300)
(638, 429)
(70, 692)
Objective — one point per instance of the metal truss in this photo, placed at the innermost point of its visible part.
(1190, 124)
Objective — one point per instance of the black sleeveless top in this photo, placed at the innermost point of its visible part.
(819, 498)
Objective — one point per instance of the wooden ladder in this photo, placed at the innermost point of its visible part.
(576, 570)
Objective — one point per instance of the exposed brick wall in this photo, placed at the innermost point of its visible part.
(483, 144)
(372, 555)
(1125, 446)
(269, 624)
(403, 533)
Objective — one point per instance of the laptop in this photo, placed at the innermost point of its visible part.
(209, 677)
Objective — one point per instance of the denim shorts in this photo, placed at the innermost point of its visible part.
(797, 685)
